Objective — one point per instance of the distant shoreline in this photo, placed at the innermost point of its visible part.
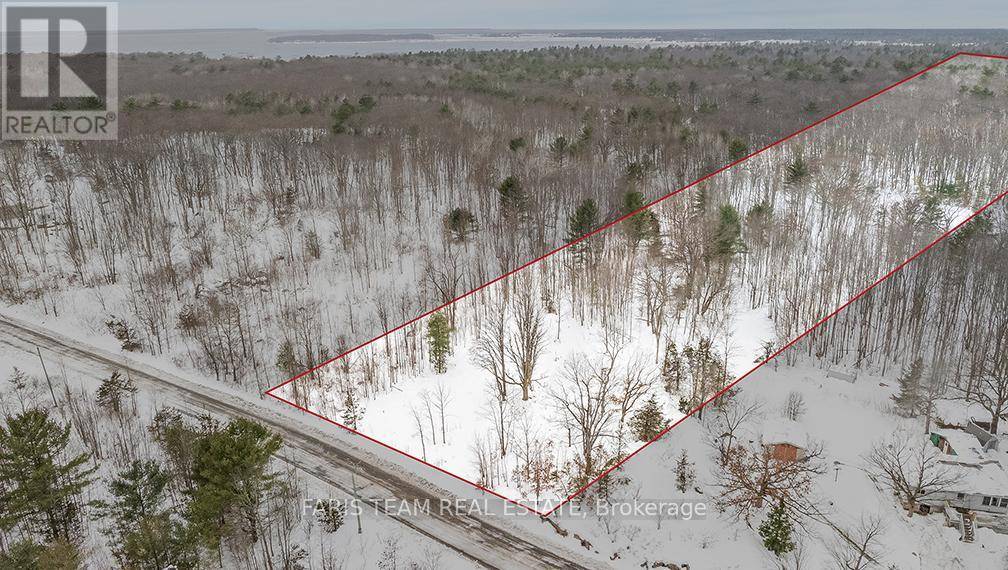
(289, 44)
(348, 38)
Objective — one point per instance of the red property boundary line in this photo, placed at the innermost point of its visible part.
(610, 224)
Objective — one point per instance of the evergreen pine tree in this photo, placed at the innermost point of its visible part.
(638, 170)
(796, 172)
(737, 149)
(40, 484)
(231, 477)
(908, 399)
(158, 542)
(728, 236)
(766, 351)
(177, 440)
(112, 390)
(138, 491)
(559, 147)
(286, 360)
(27, 554)
(144, 534)
(512, 197)
(706, 372)
(330, 515)
(351, 409)
(125, 334)
(460, 223)
(584, 219)
(685, 406)
(438, 335)
(642, 226)
(672, 368)
(685, 475)
(61, 555)
(648, 421)
(777, 531)
(341, 115)
(21, 555)
(701, 200)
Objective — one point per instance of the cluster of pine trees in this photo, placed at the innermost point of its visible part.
(184, 494)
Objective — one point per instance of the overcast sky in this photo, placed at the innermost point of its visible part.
(357, 14)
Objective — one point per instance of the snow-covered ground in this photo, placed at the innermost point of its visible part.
(847, 419)
(383, 537)
(387, 415)
(825, 251)
(450, 419)
(389, 418)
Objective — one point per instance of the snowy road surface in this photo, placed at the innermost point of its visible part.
(478, 538)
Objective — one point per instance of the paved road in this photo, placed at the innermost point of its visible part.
(478, 538)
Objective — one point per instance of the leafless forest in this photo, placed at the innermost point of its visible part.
(215, 246)
(937, 329)
(793, 232)
(259, 217)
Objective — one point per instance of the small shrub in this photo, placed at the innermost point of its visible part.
(125, 334)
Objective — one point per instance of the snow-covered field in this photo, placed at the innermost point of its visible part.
(388, 417)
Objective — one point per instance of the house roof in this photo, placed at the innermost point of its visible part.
(980, 472)
(987, 479)
(966, 446)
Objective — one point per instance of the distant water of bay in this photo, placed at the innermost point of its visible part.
(293, 44)
(272, 44)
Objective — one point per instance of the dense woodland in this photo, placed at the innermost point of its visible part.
(923, 352)
(748, 90)
(940, 324)
(794, 232)
(934, 334)
(259, 217)
(216, 248)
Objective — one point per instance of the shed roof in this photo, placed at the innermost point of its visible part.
(780, 430)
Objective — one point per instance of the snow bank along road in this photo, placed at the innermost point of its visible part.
(477, 538)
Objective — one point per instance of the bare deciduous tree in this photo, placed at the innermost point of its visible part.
(990, 390)
(583, 398)
(636, 381)
(723, 429)
(420, 432)
(794, 407)
(654, 287)
(528, 341)
(502, 414)
(910, 466)
(490, 352)
(860, 547)
(442, 399)
(752, 477)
